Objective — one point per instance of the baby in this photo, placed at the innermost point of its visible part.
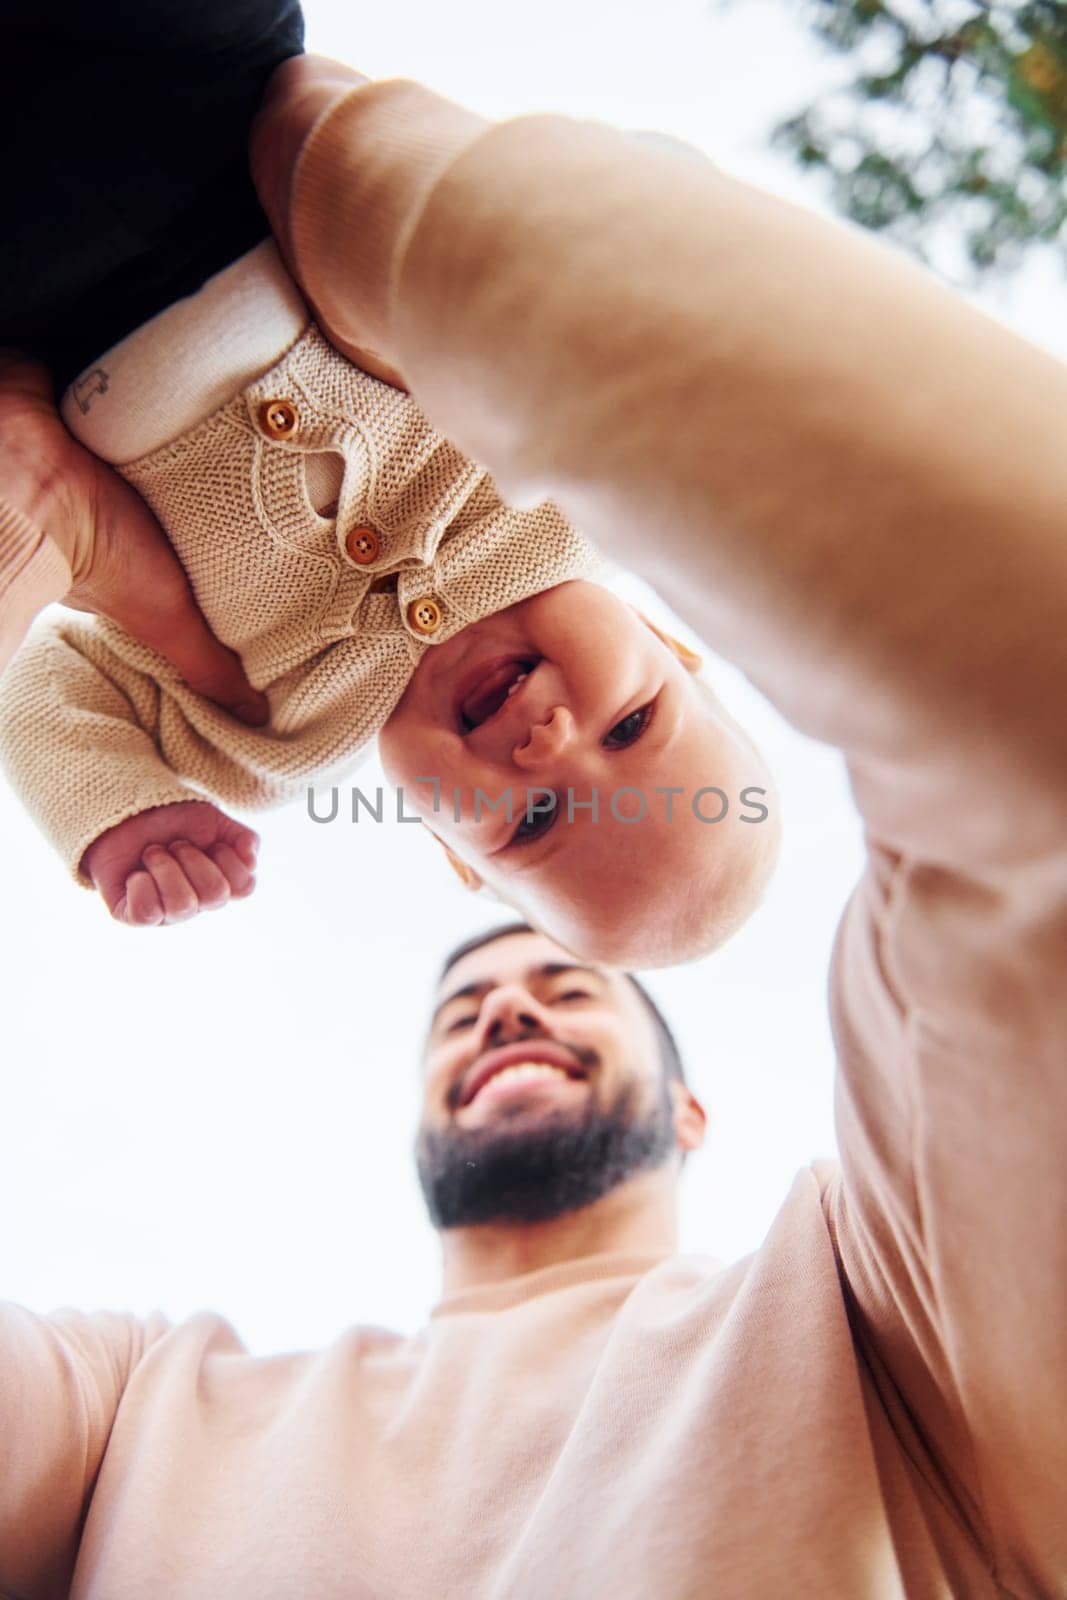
(374, 583)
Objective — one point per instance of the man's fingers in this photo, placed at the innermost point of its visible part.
(25, 378)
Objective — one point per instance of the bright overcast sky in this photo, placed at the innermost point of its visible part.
(221, 1114)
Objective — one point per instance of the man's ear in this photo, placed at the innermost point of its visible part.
(690, 1118)
(689, 658)
(466, 874)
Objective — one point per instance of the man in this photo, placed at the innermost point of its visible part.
(555, 1112)
(586, 1412)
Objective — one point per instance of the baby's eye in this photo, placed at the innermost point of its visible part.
(533, 825)
(630, 729)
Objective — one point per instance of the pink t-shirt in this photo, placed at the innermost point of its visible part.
(875, 1403)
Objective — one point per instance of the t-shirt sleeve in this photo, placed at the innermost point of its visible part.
(62, 1379)
(950, 1013)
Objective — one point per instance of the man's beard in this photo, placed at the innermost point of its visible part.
(535, 1168)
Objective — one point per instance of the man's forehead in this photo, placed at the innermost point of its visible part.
(514, 956)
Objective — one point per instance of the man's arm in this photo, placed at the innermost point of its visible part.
(61, 1381)
(850, 481)
(853, 485)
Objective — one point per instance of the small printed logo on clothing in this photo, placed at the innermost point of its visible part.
(88, 386)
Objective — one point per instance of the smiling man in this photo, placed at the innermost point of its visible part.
(555, 1112)
(587, 1414)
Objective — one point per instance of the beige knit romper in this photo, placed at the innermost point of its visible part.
(329, 613)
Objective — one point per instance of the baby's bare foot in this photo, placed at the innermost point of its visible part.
(169, 862)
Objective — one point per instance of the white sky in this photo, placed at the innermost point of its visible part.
(221, 1114)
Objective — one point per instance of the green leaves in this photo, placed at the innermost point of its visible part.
(952, 130)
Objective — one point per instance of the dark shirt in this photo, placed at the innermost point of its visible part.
(125, 183)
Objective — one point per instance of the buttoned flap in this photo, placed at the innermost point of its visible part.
(263, 567)
(314, 469)
(404, 485)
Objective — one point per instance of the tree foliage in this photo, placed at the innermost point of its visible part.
(950, 129)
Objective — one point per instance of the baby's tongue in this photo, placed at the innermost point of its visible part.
(490, 694)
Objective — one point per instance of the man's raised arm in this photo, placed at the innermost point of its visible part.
(854, 486)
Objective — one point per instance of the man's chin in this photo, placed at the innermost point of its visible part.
(537, 1162)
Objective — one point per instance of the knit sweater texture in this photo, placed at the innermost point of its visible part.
(95, 726)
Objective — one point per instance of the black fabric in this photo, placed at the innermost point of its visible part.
(125, 180)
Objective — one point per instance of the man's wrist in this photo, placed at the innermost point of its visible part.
(359, 186)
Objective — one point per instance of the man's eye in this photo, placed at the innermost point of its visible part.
(630, 729)
(532, 824)
(460, 1022)
(573, 994)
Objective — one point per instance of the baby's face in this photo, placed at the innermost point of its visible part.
(571, 694)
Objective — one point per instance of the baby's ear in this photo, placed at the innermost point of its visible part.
(466, 875)
(689, 658)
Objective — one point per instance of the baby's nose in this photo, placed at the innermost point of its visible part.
(546, 740)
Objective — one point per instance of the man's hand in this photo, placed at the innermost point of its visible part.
(122, 564)
(300, 92)
(170, 862)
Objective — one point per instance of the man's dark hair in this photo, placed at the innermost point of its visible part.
(670, 1058)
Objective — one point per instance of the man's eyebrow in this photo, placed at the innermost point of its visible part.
(552, 969)
(468, 992)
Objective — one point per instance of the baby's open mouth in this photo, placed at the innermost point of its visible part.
(497, 682)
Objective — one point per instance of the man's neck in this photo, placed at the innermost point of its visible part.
(639, 1216)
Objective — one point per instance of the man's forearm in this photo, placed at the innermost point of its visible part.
(850, 482)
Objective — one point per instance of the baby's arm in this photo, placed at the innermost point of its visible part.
(93, 744)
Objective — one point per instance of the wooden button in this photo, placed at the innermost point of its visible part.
(279, 419)
(424, 615)
(363, 545)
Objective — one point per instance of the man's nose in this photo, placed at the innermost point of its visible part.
(509, 1009)
(546, 741)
